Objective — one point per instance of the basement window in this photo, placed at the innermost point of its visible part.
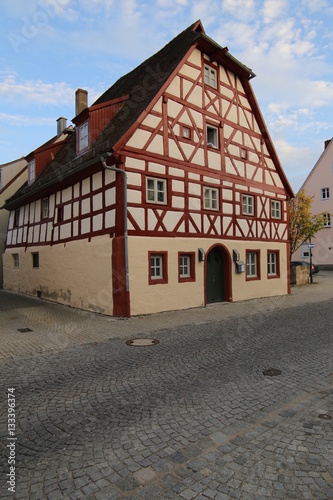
(15, 261)
(35, 260)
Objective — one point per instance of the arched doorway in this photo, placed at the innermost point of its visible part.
(218, 275)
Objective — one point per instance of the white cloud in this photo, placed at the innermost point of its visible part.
(34, 91)
(241, 9)
(273, 9)
(22, 121)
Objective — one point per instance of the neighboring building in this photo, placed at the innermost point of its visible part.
(206, 199)
(12, 176)
(319, 185)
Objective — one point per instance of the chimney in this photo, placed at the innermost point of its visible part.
(61, 125)
(327, 143)
(81, 101)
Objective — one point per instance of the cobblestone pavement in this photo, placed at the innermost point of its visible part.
(190, 417)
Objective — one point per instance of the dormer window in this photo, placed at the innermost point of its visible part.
(31, 171)
(83, 136)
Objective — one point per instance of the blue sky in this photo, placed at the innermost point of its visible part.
(49, 48)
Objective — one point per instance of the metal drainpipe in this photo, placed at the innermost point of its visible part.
(115, 169)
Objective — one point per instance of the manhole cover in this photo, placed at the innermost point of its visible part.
(24, 330)
(325, 416)
(271, 372)
(142, 342)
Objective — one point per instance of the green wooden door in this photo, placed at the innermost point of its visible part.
(214, 277)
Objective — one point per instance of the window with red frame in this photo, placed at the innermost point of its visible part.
(158, 268)
(186, 266)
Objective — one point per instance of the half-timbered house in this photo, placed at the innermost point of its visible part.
(168, 195)
(12, 176)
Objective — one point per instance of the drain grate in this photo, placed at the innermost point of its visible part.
(272, 372)
(24, 330)
(142, 342)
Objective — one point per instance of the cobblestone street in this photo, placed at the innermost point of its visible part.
(190, 417)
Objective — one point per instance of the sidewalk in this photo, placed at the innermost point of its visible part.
(55, 327)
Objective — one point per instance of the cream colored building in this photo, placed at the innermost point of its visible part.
(169, 194)
(12, 176)
(319, 185)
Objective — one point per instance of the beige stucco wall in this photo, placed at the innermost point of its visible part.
(77, 273)
(147, 298)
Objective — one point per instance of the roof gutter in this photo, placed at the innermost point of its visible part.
(119, 170)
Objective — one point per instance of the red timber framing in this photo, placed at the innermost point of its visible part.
(121, 297)
(81, 210)
(194, 135)
(244, 161)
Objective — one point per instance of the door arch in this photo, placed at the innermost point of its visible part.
(217, 275)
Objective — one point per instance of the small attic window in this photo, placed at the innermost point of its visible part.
(210, 76)
(186, 132)
(244, 154)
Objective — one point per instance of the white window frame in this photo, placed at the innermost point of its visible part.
(247, 208)
(31, 171)
(276, 209)
(325, 193)
(186, 133)
(184, 266)
(272, 264)
(243, 154)
(211, 198)
(83, 136)
(212, 140)
(156, 267)
(251, 265)
(327, 219)
(210, 76)
(156, 190)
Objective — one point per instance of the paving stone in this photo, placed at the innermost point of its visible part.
(144, 475)
(128, 484)
(102, 420)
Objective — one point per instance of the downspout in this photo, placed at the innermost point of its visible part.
(119, 170)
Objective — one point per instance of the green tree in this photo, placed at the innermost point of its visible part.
(303, 225)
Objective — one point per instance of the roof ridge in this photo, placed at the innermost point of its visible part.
(11, 162)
